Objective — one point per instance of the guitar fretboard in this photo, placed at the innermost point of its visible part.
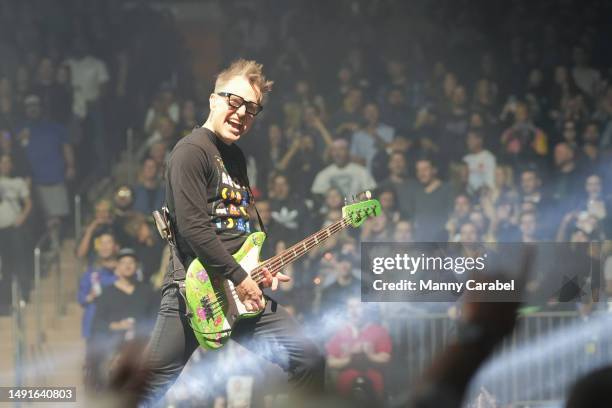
(277, 262)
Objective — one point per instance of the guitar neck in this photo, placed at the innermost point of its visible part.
(277, 262)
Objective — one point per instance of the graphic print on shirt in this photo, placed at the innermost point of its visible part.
(230, 211)
(286, 217)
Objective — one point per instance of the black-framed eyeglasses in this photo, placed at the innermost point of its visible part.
(235, 101)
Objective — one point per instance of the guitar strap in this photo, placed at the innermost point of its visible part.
(245, 180)
(261, 224)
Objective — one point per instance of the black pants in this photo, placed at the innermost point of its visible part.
(173, 342)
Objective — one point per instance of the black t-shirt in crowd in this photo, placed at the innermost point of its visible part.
(208, 198)
(115, 305)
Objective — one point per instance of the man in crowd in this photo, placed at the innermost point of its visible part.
(590, 156)
(89, 82)
(568, 178)
(275, 232)
(370, 139)
(349, 178)
(523, 143)
(531, 189)
(528, 226)
(400, 182)
(148, 192)
(344, 287)
(288, 210)
(361, 349)
(56, 101)
(348, 119)
(432, 202)
(456, 123)
(52, 162)
(534, 198)
(123, 313)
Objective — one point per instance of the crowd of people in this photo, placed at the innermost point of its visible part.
(73, 78)
(480, 131)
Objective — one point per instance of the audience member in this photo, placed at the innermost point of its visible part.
(98, 276)
(90, 80)
(481, 163)
(431, 203)
(399, 181)
(15, 209)
(568, 177)
(149, 193)
(123, 312)
(349, 178)
(102, 222)
(51, 158)
(288, 210)
(374, 136)
(360, 350)
(523, 143)
(344, 286)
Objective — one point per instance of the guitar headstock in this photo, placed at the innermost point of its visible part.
(358, 212)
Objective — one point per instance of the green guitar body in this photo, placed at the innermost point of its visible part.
(212, 299)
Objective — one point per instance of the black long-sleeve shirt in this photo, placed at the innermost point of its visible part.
(208, 198)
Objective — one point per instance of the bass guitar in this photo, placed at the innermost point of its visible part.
(212, 301)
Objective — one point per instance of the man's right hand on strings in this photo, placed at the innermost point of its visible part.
(250, 294)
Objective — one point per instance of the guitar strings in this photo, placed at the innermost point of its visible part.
(277, 261)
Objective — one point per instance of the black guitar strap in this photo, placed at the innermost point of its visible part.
(261, 224)
(245, 179)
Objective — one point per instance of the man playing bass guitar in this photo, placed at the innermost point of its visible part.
(208, 198)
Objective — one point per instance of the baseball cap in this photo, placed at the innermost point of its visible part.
(123, 252)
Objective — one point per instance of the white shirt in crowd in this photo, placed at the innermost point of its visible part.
(13, 192)
(481, 167)
(88, 75)
(364, 146)
(350, 179)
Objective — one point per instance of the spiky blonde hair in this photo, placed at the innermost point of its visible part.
(249, 69)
